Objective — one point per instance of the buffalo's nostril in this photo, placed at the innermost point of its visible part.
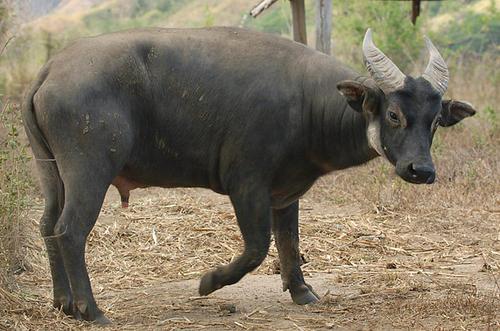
(422, 173)
(412, 171)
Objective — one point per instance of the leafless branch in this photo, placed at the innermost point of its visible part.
(261, 7)
(6, 44)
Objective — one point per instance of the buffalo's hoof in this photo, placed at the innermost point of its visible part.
(208, 283)
(89, 312)
(304, 295)
(64, 303)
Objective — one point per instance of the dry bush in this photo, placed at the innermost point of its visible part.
(12, 165)
(15, 185)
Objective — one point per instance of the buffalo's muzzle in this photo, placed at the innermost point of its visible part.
(417, 173)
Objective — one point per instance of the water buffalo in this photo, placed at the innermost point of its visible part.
(250, 115)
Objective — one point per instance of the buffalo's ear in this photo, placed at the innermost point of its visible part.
(359, 96)
(354, 93)
(455, 111)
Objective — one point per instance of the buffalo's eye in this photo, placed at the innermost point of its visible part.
(393, 117)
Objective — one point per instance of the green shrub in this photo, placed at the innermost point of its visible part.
(472, 32)
(393, 31)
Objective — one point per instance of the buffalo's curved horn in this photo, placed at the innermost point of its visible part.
(436, 72)
(385, 73)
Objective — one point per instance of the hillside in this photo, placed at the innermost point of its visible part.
(167, 13)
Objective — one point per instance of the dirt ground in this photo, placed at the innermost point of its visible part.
(375, 268)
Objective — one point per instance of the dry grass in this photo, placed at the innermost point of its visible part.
(437, 269)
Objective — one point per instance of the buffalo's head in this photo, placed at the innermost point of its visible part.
(404, 112)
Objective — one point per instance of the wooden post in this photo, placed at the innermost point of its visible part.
(323, 25)
(415, 11)
(299, 21)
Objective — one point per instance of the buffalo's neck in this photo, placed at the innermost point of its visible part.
(338, 133)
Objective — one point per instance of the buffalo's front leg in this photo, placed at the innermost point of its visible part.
(286, 233)
(253, 212)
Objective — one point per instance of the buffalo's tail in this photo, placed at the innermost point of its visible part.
(51, 182)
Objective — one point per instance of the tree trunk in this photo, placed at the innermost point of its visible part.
(323, 25)
(299, 21)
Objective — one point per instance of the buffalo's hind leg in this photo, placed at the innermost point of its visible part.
(286, 233)
(253, 212)
(53, 191)
(84, 193)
